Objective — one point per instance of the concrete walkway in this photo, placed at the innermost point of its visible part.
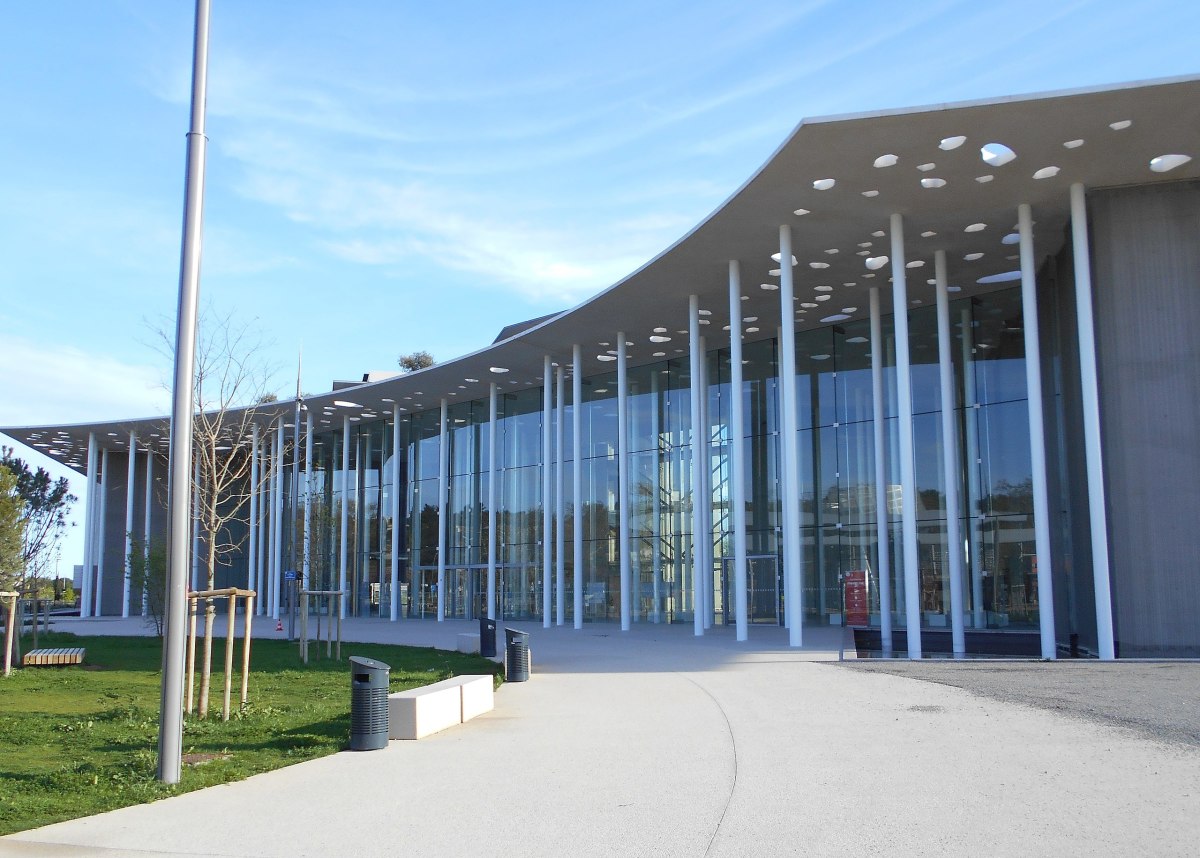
(654, 743)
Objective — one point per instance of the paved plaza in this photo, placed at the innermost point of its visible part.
(652, 742)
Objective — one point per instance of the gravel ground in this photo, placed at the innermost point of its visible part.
(1159, 701)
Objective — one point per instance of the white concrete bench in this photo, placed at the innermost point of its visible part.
(420, 712)
(468, 643)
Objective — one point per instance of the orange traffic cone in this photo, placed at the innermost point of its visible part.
(279, 625)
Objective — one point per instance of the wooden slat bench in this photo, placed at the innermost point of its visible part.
(47, 657)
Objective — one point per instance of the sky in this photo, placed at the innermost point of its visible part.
(386, 176)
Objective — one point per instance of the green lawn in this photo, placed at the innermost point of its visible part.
(81, 740)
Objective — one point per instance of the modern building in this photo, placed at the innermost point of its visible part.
(931, 372)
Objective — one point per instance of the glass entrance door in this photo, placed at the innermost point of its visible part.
(762, 590)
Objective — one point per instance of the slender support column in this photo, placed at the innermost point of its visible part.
(577, 479)
(695, 356)
(908, 484)
(547, 492)
(706, 492)
(343, 547)
(130, 479)
(295, 546)
(262, 604)
(792, 545)
(560, 505)
(443, 491)
(656, 500)
(308, 473)
(252, 543)
(882, 528)
(970, 421)
(277, 535)
(147, 507)
(101, 523)
(397, 524)
(1037, 433)
(737, 451)
(89, 531)
(1093, 452)
(623, 481)
(493, 474)
(950, 460)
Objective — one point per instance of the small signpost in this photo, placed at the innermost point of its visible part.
(856, 598)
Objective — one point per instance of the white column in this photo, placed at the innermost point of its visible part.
(951, 466)
(100, 524)
(882, 530)
(908, 483)
(397, 524)
(560, 506)
(577, 477)
(343, 558)
(252, 543)
(623, 481)
(308, 457)
(443, 494)
(1094, 454)
(790, 484)
(547, 492)
(148, 506)
(131, 478)
(970, 421)
(706, 516)
(493, 474)
(89, 531)
(694, 358)
(294, 499)
(277, 530)
(1037, 433)
(737, 450)
(262, 604)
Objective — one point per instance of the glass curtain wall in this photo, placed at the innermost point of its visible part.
(839, 526)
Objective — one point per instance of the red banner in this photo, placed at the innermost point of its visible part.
(857, 604)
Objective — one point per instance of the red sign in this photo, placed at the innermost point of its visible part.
(857, 604)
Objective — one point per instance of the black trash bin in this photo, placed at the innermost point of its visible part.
(368, 704)
(487, 637)
(516, 655)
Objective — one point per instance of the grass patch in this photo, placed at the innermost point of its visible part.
(75, 741)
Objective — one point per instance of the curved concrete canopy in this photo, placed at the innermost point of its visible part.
(936, 176)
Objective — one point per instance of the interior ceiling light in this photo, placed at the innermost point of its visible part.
(1164, 163)
(932, 182)
(1120, 125)
(824, 184)
(857, 340)
(1073, 144)
(1046, 173)
(874, 263)
(886, 161)
(954, 142)
(996, 154)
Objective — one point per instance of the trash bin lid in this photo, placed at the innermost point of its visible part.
(369, 663)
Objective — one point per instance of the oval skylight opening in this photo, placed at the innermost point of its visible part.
(1046, 173)
(769, 287)
(933, 183)
(870, 193)
(752, 330)
(836, 317)
(824, 184)
(886, 161)
(1006, 277)
(879, 233)
(1011, 238)
(818, 265)
(1164, 163)
(831, 251)
(801, 212)
(874, 263)
(824, 297)
(775, 258)
(929, 233)
(1073, 144)
(606, 358)
(1120, 124)
(849, 309)
(996, 154)
(925, 168)
(808, 305)
(820, 357)
(857, 340)
(823, 288)
(660, 339)
(499, 370)
(704, 312)
(340, 403)
(971, 257)
(983, 180)
(949, 143)
(916, 263)
(975, 227)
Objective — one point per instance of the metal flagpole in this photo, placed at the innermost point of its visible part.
(170, 731)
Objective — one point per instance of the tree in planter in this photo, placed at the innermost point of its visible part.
(45, 503)
(231, 397)
(415, 361)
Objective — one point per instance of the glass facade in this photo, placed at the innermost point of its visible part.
(839, 527)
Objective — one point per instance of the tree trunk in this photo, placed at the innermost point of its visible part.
(210, 610)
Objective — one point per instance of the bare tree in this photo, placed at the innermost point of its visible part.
(231, 396)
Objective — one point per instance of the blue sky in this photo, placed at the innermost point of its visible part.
(386, 176)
